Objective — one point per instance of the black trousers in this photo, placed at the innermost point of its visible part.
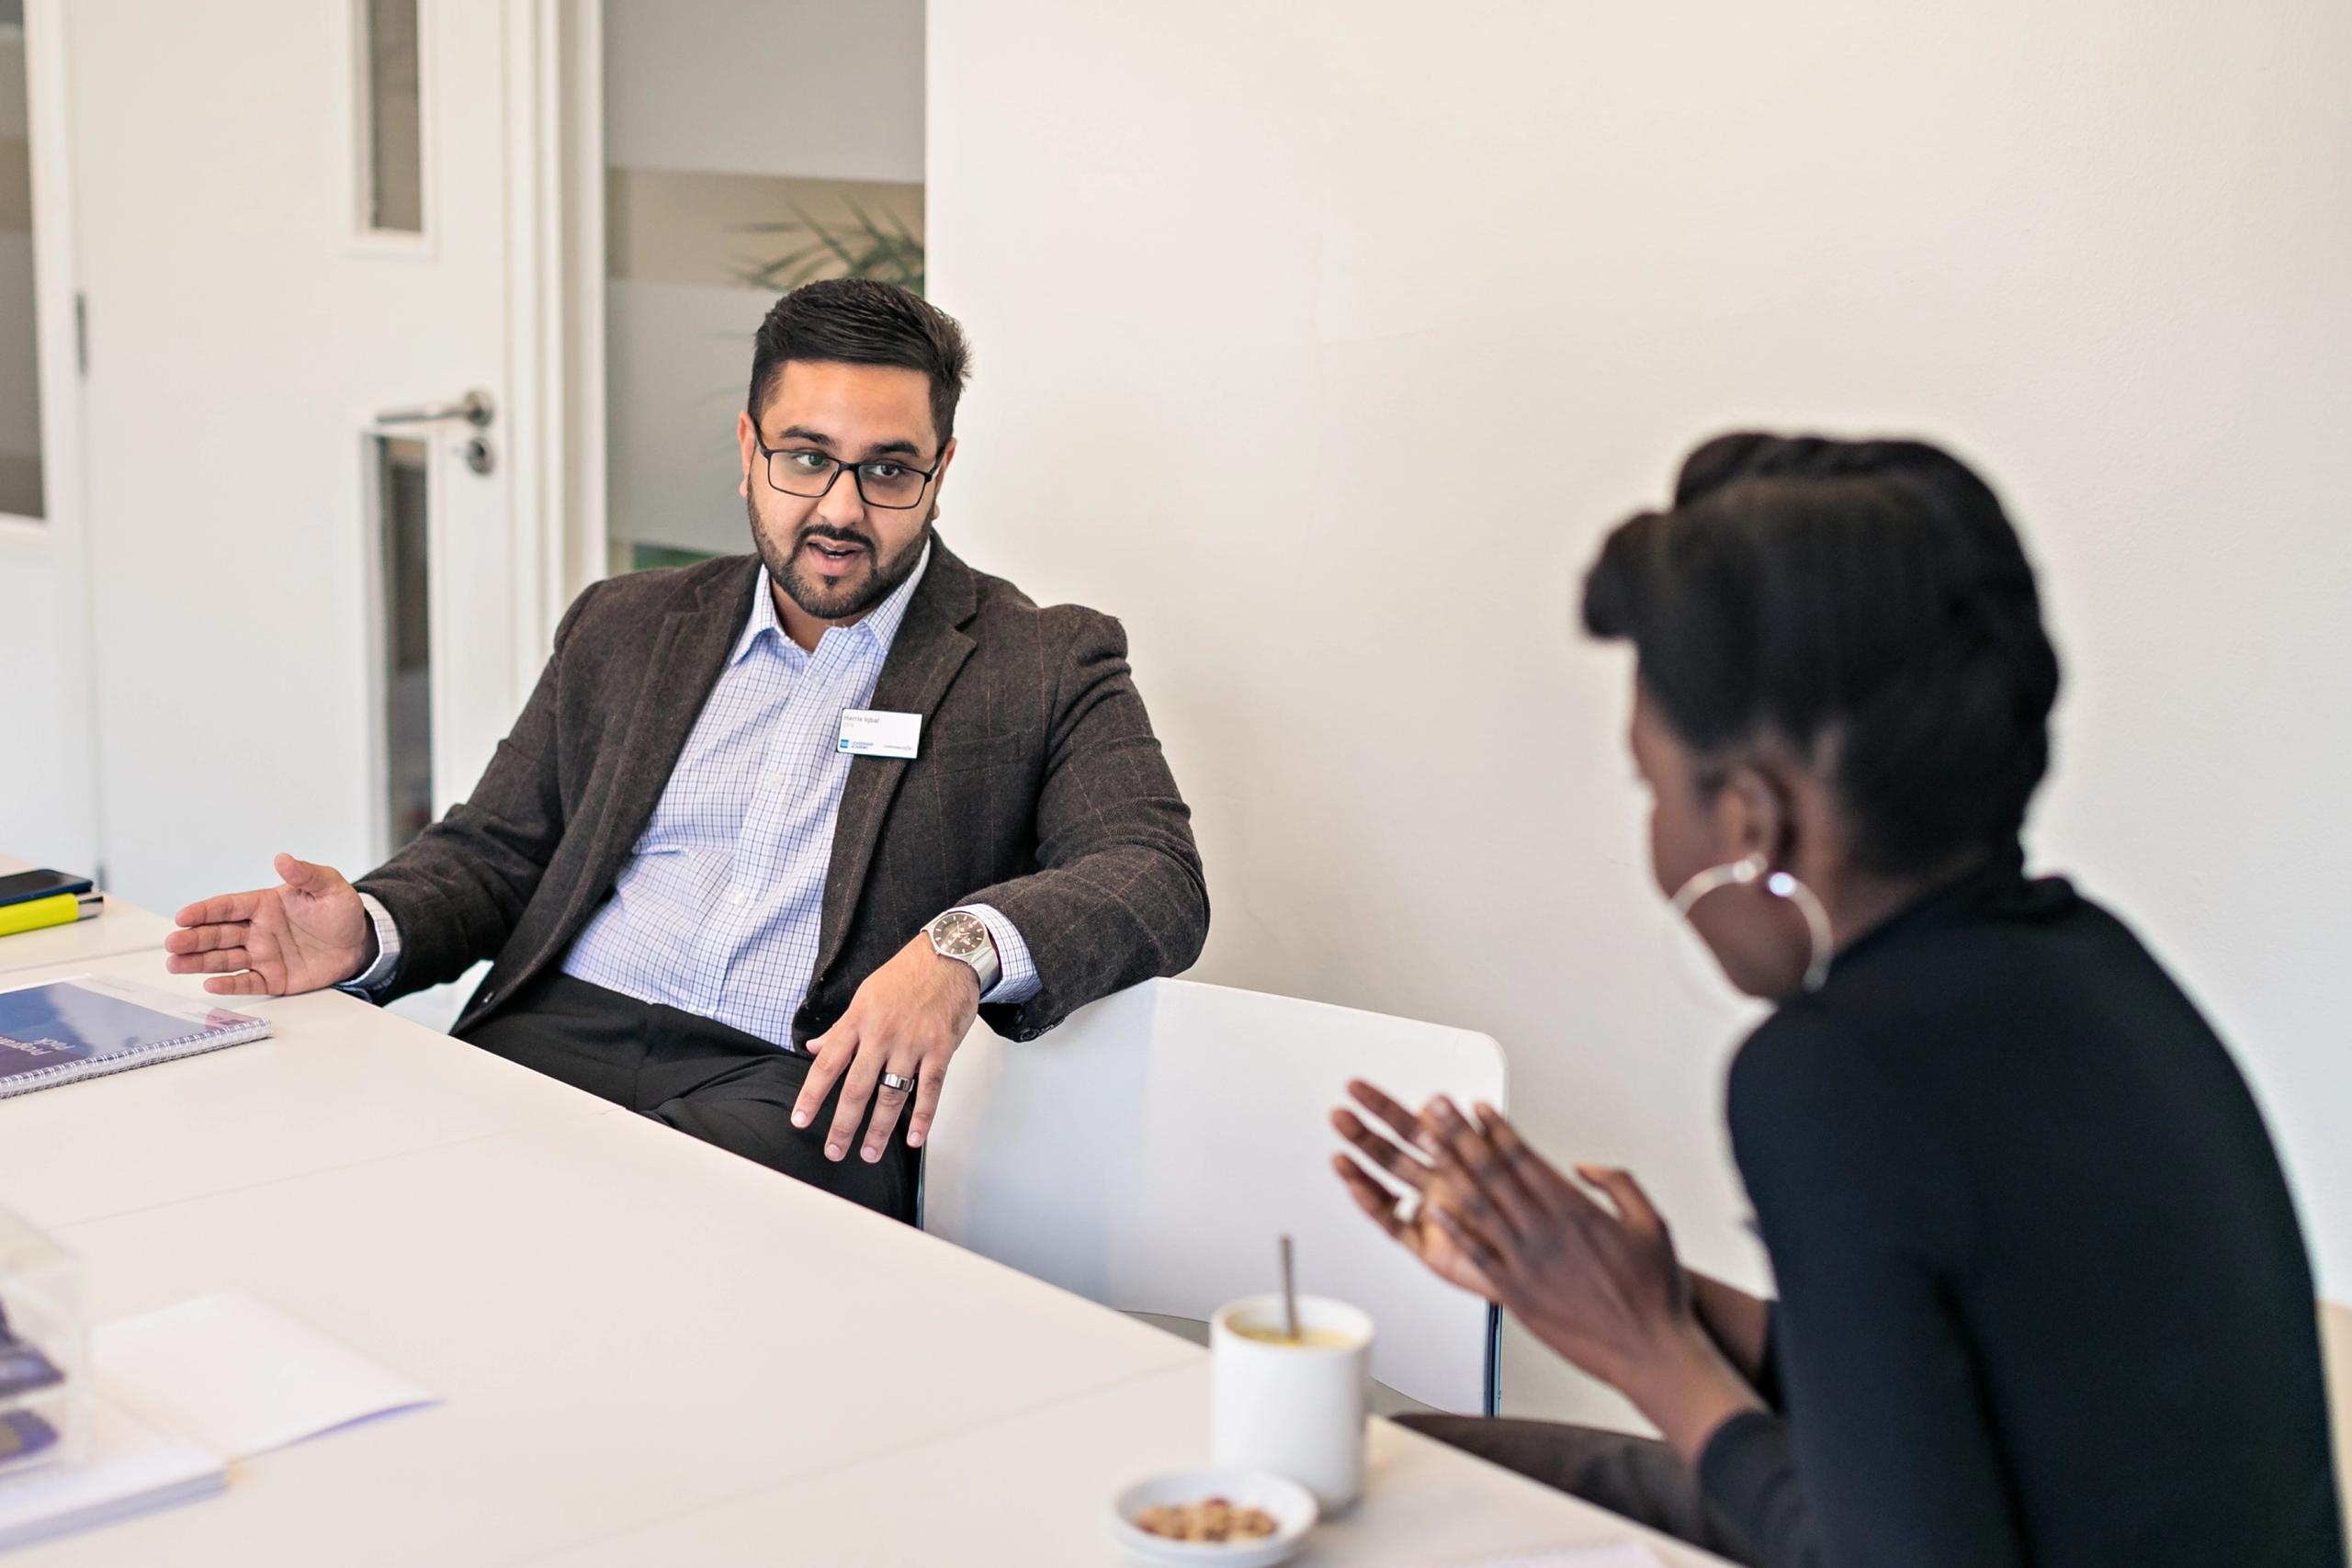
(1636, 1478)
(699, 1076)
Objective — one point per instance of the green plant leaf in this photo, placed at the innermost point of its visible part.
(866, 246)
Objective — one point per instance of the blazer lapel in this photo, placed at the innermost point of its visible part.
(925, 658)
(688, 654)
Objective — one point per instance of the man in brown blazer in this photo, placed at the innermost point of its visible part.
(773, 828)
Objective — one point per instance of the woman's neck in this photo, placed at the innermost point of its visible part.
(1860, 902)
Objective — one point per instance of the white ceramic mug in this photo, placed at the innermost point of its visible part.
(1294, 1409)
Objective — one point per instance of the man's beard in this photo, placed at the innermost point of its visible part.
(836, 602)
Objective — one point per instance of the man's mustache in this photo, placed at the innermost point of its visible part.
(836, 536)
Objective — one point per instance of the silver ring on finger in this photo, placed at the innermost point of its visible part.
(892, 1080)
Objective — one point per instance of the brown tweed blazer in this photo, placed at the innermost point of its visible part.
(1039, 789)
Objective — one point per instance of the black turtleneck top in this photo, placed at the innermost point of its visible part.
(2043, 1297)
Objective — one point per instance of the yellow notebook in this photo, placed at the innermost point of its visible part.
(58, 909)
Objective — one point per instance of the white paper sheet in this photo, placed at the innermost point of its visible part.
(241, 1376)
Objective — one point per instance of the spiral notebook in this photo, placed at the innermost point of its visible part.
(92, 1025)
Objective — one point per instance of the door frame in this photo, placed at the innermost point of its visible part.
(555, 88)
(61, 535)
(574, 152)
(553, 424)
(56, 333)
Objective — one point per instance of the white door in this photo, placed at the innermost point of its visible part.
(292, 221)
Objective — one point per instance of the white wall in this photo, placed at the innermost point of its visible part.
(1321, 342)
(806, 87)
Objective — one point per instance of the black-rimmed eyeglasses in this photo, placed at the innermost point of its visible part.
(808, 474)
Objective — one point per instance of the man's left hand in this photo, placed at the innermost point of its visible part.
(906, 1020)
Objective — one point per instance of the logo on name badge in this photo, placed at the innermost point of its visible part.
(873, 732)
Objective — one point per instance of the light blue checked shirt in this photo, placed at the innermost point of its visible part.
(717, 911)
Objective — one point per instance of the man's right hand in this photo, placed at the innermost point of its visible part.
(308, 933)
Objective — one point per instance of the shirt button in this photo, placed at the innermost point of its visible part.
(776, 781)
(735, 897)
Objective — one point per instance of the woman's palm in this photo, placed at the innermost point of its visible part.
(1439, 1252)
(1386, 1144)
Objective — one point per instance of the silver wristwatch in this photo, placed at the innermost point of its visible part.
(964, 937)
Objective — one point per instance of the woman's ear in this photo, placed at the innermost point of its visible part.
(1753, 816)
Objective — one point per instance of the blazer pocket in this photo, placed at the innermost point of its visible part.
(968, 756)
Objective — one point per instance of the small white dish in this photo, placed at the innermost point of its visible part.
(1292, 1506)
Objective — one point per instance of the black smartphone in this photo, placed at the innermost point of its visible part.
(17, 887)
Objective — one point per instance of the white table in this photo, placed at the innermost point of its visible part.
(337, 1083)
(1032, 1492)
(649, 1350)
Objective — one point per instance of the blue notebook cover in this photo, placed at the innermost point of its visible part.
(93, 1024)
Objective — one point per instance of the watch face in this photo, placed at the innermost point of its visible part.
(962, 936)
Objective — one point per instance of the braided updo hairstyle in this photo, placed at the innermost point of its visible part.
(1868, 597)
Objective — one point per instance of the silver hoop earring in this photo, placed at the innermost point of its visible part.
(1784, 886)
(1738, 872)
(1781, 885)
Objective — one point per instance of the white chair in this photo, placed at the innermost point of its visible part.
(2336, 1344)
(1147, 1154)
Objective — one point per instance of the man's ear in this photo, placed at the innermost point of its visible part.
(939, 480)
(746, 438)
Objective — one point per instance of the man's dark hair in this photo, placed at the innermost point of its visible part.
(858, 320)
(1870, 594)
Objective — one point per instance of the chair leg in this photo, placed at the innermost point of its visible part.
(1494, 1360)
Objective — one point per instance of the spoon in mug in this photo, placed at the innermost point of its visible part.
(1290, 1296)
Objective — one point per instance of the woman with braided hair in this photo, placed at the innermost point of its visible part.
(2042, 1294)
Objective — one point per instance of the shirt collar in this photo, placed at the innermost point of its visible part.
(880, 624)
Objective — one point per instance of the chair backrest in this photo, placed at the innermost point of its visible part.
(1147, 1154)
(2335, 1343)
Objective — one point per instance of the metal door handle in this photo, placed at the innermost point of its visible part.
(475, 408)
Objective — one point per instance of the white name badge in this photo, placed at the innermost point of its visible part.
(869, 732)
